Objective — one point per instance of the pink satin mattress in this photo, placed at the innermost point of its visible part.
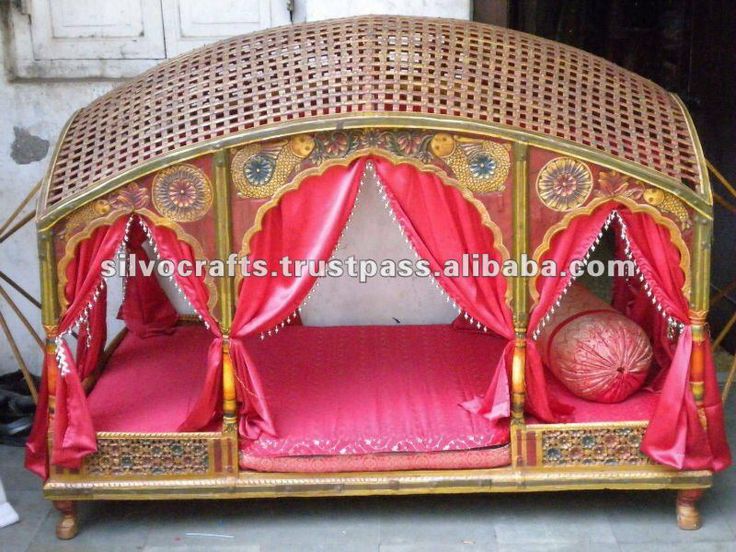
(637, 407)
(149, 385)
(366, 390)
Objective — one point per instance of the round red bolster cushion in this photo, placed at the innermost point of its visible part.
(595, 351)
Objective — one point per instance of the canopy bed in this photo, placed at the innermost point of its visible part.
(481, 140)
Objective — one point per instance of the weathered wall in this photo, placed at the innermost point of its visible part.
(33, 113)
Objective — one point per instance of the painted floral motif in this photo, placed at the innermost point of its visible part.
(182, 193)
(410, 143)
(259, 169)
(616, 184)
(593, 446)
(564, 184)
(482, 166)
(336, 144)
(130, 198)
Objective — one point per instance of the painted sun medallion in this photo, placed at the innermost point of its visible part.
(564, 184)
(182, 193)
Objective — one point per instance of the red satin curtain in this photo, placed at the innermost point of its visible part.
(209, 405)
(570, 245)
(306, 225)
(444, 226)
(73, 435)
(145, 309)
(675, 436)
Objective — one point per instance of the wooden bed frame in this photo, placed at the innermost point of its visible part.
(350, 79)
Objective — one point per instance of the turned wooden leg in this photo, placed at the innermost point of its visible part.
(67, 527)
(688, 517)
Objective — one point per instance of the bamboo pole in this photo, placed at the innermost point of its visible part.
(723, 203)
(21, 317)
(722, 179)
(17, 226)
(724, 331)
(20, 207)
(35, 302)
(19, 358)
(729, 380)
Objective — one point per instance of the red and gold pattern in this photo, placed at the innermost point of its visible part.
(592, 446)
(669, 205)
(481, 166)
(182, 193)
(128, 199)
(564, 184)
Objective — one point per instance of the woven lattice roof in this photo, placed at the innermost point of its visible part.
(378, 65)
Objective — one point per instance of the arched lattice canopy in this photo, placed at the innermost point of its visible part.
(373, 70)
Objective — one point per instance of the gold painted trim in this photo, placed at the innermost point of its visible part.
(271, 485)
(518, 284)
(576, 426)
(520, 215)
(223, 235)
(183, 436)
(49, 292)
(71, 246)
(675, 235)
(47, 218)
(700, 266)
(296, 183)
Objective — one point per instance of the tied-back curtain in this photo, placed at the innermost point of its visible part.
(194, 287)
(443, 227)
(145, 308)
(675, 436)
(305, 225)
(568, 246)
(73, 433)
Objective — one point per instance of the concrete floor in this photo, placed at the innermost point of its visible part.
(600, 521)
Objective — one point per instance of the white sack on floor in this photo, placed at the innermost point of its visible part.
(8, 516)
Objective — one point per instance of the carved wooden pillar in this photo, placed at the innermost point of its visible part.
(225, 285)
(520, 198)
(49, 315)
(697, 363)
(699, 299)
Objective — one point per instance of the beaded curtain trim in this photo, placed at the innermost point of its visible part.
(674, 326)
(376, 65)
(370, 174)
(83, 319)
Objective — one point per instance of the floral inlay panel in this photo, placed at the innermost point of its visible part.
(593, 446)
(482, 166)
(116, 457)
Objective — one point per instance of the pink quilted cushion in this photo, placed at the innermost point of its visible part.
(595, 351)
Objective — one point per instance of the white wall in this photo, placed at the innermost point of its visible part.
(317, 10)
(38, 110)
(40, 88)
(372, 234)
